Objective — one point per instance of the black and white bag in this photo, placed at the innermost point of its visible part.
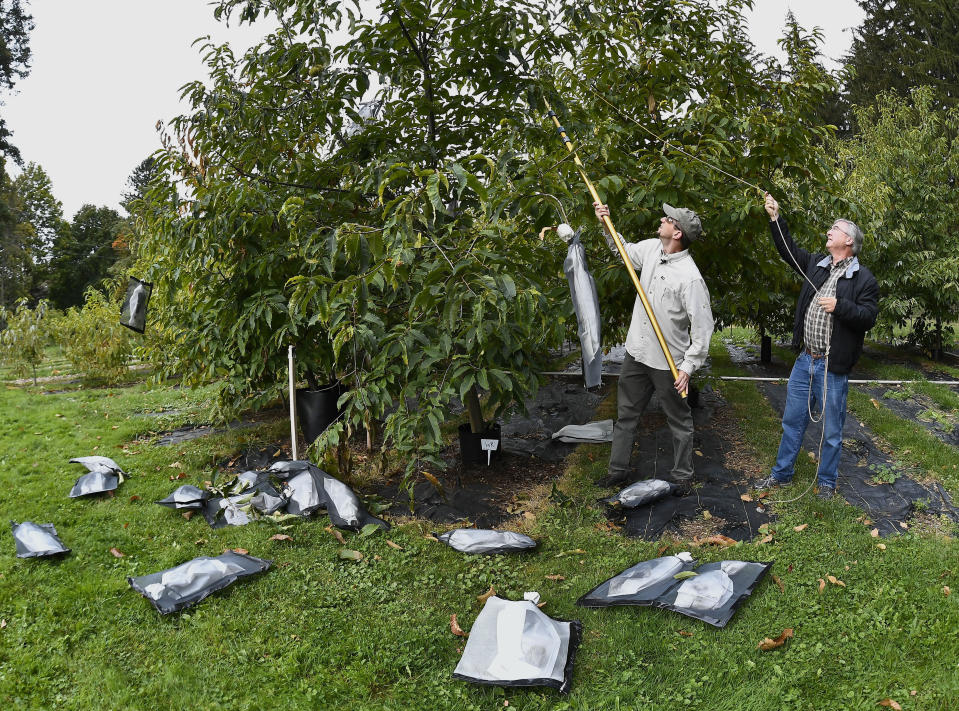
(186, 497)
(177, 588)
(641, 492)
(37, 540)
(486, 541)
(514, 643)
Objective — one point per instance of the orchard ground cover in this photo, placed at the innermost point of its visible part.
(319, 630)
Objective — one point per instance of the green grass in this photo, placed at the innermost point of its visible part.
(318, 632)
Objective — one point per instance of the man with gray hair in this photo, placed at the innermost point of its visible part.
(829, 329)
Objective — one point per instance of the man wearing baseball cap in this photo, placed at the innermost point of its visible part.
(680, 301)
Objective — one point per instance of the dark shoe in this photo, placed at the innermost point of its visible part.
(769, 482)
(826, 492)
(614, 480)
(682, 488)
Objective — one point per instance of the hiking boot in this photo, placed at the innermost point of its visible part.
(826, 492)
(770, 482)
(682, 487)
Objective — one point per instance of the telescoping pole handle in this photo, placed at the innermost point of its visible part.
(608, 223)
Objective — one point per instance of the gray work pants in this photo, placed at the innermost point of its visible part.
(636, 385)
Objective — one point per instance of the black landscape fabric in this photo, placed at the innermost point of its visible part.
(486, 541)
(185, 585)
(37, 540)
(514, 643)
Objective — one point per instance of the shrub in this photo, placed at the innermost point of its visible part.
(93, 340)
(23, 340)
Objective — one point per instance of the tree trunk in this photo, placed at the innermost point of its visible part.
(474, 410)
(938, 355)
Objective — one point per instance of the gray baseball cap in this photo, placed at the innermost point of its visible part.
(688, 221)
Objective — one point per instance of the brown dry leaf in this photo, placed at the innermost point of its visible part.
(134, 498)
(280, 537)
(835, 581)
(684, 633)
(763, 494)
(779, 583)
(801, 527)
(651, 103)
(555, 577)
(875, 402)
(768, 643)
(391, 544)
(874, 533)
(432, 480)
(529, 515)
(881, 546)
(913, 692)
(486, 595)
(663, 549)
(707, 515)
(336, 534)
(946, 590)
(891, 704)
(767, 539)
(176, 465)
(746, 497)
(207, 483)
(455, 626)
(241, 551)
(904, 524)
(822, 585)
(431, 537)
(188, 514)
(117, 553)
(719, 540)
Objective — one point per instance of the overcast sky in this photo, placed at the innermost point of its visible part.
(104, 71)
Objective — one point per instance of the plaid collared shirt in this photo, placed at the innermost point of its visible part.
(818, 323)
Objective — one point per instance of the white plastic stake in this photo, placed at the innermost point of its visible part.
(293, 403)
(489, 446)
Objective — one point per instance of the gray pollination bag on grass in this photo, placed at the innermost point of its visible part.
(599, 431)
(711, 592)
(640, 585)
(186, 497)
(104, 475)
(177, 588)
(36, 540)
(514, 643)
(642, 492)
(304, 493)
(344, 508)
(479, 540)
(716, 591)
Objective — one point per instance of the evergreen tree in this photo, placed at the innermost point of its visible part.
(82, 254)
(902, 44)
(15, 27)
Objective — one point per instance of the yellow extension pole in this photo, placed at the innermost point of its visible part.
(619, 245)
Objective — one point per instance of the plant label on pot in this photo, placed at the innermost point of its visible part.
(489, 446)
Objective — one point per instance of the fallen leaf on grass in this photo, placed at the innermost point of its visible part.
(3, 624)
(200, 541)
(717, 540)
(486, 595)
(707, 515)
(176, 465)
(875, 402)
(117, 553)
(241, 551)
(746, 497)
(134, 498)
(763, 494)
(779, 583)
(904, 524)
(348, 554)
(684, 633)
(767, 539)
(578, 551)
(281, 537)
(431, 537)
(555, 577)
(881, 546)
(801, 527)
(946, 590)
(181, 475)
(768, 643)
(391, 544)
(455, 627)
(835, 581)
(663, 549)
(336, 534)
(188, 514)
(822, 585)
(874, 533)
(891, 704)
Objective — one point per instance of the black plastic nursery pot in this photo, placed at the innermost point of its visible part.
(316, 409)
(471, 445)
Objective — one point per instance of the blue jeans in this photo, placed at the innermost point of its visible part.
(799, 400)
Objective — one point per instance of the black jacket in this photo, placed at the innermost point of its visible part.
(857, 299)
